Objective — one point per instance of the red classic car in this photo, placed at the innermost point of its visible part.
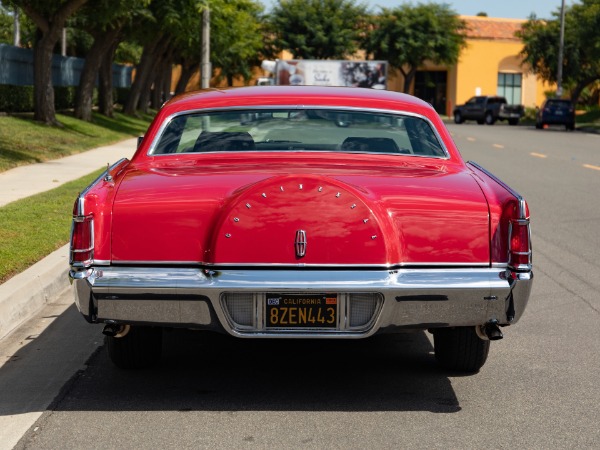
(300, 212)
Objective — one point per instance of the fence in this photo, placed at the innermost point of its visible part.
(16, 68)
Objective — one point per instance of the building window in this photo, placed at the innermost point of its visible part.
(510, 86)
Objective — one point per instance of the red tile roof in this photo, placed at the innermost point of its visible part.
(492, 28)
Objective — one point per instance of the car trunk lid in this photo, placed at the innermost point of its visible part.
(305, 211)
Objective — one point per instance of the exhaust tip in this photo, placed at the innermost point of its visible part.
(110, 329)
(113, 329)
(489, 332)
(492, 331)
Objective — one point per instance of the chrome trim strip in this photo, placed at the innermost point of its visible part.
(213, 266)
(102, 262)
(80, 209)
(158, 135)
(97, 180)
(519, 197)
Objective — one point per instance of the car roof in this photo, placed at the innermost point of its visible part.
(298, 95)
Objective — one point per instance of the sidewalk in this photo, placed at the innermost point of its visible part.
(25, 294)
(24, 181)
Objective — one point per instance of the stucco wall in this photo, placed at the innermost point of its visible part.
(480, 63)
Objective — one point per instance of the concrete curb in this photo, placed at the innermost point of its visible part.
(26, 293)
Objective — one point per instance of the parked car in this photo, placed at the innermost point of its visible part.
(488, 109)
(556, 111)
(252, 212)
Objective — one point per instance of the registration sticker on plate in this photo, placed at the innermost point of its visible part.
(301, 310)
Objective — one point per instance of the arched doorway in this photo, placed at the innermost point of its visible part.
(510, 80)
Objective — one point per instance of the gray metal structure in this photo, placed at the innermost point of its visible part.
(17, 69)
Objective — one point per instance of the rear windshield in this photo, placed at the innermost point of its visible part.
(299, 130)
(559, 103)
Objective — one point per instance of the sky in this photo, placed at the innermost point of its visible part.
(511, 9)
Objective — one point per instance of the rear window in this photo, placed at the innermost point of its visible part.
(559, 103)
(299, 130)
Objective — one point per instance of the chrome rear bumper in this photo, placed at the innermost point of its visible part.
(193, 297)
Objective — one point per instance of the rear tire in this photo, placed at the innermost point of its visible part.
(141, 347)
(489, 118)
(460, 349)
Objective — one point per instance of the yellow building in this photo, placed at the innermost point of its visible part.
(489, 65)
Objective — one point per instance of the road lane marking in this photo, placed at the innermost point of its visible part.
(471, 139)
(538, 155)
(497, 146)
(589, 166)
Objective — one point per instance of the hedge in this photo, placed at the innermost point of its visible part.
(15, 99)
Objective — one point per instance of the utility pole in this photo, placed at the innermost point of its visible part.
(205, 69)
(63, 42)
(16, 29)
(561, 45)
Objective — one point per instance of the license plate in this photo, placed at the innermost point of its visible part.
(301, 310)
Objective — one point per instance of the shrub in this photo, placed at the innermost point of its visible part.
(16, 98)
(64, 97)
(530, 114)
(122, 94)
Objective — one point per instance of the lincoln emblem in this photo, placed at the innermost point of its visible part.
(300, 243)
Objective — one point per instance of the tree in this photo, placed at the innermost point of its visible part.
(150, 35)
(104, 20)
(236, 38)
(581, 63)
(6, 26)
(172, 35)
(50, 18)
(159, 34)
(317, 29)
(408, 36)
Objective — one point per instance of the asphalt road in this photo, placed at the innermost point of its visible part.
(539, 388)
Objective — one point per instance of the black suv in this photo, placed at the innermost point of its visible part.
(556, 111)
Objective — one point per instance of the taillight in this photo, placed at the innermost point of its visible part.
(519, 247)
(82, 241)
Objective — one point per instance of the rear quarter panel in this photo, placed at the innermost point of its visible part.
(503, 205)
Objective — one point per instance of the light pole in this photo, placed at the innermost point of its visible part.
(205, 70)
(16, 29)
(561, 45)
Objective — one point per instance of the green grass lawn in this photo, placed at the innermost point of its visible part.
(24, 141)
(35, 226)
(589, 120)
